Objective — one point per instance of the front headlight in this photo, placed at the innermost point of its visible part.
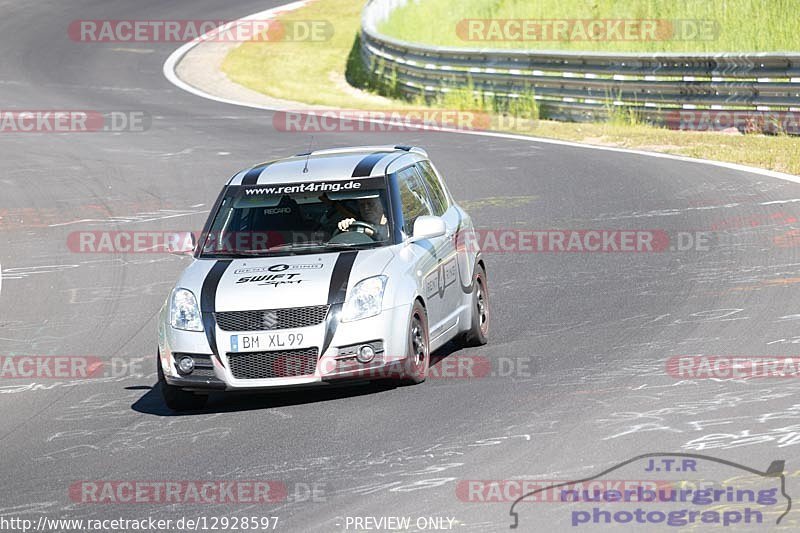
(365, 299)
(184, 312)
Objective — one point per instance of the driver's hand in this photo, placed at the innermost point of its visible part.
(344, 224)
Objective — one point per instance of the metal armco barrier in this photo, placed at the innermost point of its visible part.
(582, 86)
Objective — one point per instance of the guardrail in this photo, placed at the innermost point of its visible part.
(585, 86)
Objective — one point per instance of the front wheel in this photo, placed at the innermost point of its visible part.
(418, 351)
(478, 333)
(176, 398)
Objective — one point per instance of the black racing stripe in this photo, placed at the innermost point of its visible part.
(340, 277)
(336, 295)
(208, 303)
(251, 178)
(331, 321)
(364, 167)
(208, 296)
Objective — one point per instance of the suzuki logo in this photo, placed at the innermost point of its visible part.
(269, 320)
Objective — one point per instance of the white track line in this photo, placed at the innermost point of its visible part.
(172, 62)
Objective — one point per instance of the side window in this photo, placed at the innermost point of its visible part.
(438, 197)
(413, 197)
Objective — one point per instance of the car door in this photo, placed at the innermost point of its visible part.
(415, 202)
(448, 290)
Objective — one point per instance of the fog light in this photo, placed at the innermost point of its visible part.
(365, 354)
(186, 365)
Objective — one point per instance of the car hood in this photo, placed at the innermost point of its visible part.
(278, 282)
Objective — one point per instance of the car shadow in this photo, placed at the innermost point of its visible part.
(152, 402)
(444, 352)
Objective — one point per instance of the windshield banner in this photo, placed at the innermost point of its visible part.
(316, 186)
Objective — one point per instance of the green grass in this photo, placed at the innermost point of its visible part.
(309, 72)
(318, 73)
(741, 25)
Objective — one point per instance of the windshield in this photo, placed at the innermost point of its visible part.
(300, 217)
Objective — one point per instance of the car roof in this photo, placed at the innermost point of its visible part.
(331, 164)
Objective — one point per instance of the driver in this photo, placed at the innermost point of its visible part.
(371, 210)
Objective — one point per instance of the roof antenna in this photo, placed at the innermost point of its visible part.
(308, 155)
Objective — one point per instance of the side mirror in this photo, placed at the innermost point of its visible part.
(181, 243)
(428, 227)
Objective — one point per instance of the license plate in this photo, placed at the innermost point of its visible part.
(266, 341)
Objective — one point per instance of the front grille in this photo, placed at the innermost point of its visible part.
(203, 372)
(270, 319)
(279, 364)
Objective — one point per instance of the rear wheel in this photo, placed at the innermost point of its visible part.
(176, 398)
(478, 333)
(418, 358)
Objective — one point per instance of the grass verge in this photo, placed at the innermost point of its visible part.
(733, 25)
(318, 73)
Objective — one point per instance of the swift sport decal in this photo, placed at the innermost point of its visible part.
(276, 275)
(272, 279)
(277, 268)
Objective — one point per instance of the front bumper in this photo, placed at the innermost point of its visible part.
(389, 329)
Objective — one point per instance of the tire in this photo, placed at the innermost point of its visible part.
(478, 333)
(418, 355)
(176, 398)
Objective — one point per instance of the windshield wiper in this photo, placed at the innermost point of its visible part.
(292, 246)
(319, 244)
(338, 245)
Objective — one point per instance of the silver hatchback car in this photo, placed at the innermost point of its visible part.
(343, 264)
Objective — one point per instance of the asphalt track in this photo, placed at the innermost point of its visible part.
(599, 327)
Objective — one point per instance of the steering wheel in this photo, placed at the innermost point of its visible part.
(359, 224)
